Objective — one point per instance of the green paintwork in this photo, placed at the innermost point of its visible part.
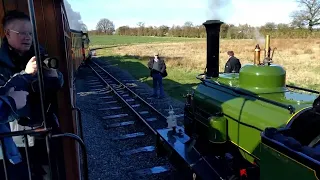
(279, 166)
(218, 134)
(263, 79)
(241, 110)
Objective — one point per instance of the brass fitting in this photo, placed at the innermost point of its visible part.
(257, 55)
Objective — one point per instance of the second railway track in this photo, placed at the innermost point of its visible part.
(131, 124)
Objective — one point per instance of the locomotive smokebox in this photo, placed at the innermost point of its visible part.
(213, 42)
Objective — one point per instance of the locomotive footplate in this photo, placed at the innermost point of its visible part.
(175, 144)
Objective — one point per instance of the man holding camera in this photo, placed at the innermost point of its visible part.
(18, 69)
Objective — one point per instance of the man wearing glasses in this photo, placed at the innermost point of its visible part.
(18, 69)
(158, 71)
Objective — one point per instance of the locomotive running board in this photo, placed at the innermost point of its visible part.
(181, 155)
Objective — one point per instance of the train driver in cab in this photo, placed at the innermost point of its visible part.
(233, 64)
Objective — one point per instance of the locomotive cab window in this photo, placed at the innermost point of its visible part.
(305, 127)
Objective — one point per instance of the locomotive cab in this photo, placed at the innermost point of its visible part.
(295, 148)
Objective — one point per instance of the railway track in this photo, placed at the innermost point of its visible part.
(131, 124)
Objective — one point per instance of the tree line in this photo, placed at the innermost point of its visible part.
(303, 25)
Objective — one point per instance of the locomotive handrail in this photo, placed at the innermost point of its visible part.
(26, 132)
(241, 91)
(39, 131)
(83, 147)
(79, 120)
(38, 58)
(46, 132)
(79, 123)
(303, 89)
(39, 73)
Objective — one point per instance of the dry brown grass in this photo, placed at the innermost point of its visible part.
(300, 57)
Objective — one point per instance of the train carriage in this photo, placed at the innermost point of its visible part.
(54, 34)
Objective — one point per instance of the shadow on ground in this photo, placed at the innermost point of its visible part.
(140, 72)
(106, 47)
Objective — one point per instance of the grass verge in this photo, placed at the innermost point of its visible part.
(176, 84)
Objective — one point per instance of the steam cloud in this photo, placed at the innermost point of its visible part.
(74, 18)
(218, 9)
(258, 37)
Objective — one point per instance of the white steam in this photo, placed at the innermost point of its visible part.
(259, 37)
(74, 18)
(218, 9)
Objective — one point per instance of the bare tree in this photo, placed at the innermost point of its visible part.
(105, 26)
(141, 28)
(188, 24)
(309, 14)
(140, 24)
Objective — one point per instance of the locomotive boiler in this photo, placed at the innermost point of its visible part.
(264, 124)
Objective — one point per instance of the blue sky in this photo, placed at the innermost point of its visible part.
(169, 12)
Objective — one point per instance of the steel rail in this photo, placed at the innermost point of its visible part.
(132, 92)
(135, 112)
(115, 92)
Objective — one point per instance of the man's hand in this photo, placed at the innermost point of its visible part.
(31, 67)
(19, 97)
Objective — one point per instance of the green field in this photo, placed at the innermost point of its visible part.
(176, 84)
(105, 40)
(183, 63)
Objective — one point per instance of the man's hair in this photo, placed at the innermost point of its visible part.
(230, 53)
(14, 15)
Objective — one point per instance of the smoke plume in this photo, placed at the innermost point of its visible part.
(74, 18)
(218, 9)
(259, 37)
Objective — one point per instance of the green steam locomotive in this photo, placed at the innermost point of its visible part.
(269, 130)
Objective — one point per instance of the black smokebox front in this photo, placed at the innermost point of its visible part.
(213, 43)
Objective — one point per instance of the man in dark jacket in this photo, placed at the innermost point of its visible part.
(233, 64)
(18, 69)
(157, 68)
(18, 66)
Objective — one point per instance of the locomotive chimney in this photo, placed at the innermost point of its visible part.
(213, 42)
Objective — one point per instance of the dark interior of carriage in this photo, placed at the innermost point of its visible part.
(300, 140)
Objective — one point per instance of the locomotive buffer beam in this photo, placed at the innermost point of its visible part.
(176, 145)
